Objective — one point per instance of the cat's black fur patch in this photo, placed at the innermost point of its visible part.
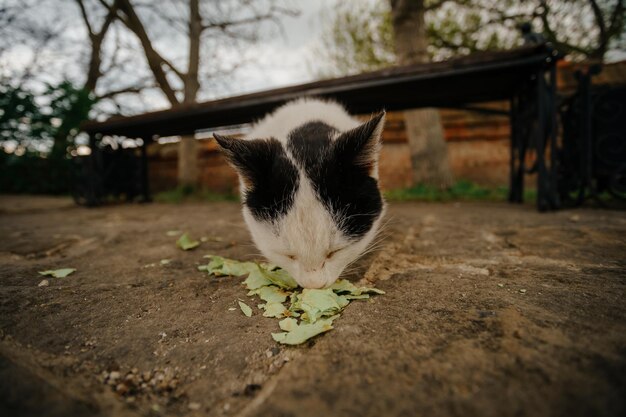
(309, 142)
(342, 184)
(270, 178)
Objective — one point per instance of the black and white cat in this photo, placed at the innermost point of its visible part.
(309, 184)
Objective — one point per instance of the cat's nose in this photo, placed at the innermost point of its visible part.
(316, 279)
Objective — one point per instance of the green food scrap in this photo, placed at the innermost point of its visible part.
(219, 266)
(270, 294)
(280, 278)
(343, 286)
(58, 273)
(245, 308)
(315, 308)
(302, 332)
(319, 303)
(186, 243)
(356, 297)
(274, 309)
(256, 279)
(237, 269)
(288, 324)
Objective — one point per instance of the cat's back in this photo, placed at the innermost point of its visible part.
(297, 113)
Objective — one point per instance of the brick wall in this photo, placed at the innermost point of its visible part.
(478, 145)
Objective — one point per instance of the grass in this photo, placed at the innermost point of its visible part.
(185, 194)
(460, 191)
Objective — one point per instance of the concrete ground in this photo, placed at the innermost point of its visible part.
(490, 310)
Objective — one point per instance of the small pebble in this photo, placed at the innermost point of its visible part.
(501, 285)
(121, 389)
(43, 283)
(522, 291)
(114, 375)
(194, 406)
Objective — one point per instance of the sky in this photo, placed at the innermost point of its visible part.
(282, 57)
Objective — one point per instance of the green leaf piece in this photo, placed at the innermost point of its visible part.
(280, 278)
(256, 279)
(270, 294)
(245, 308)
(58, 273)
(302, 332)
(319, 303)
(186, 243)
(274, 310)
(344, 286)
(236, 268)
(288, 324)
(356, 297)
(223, 266)
(215, 265)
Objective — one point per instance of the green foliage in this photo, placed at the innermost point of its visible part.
(462, 190)
(359, 39)
(359, 36)
(187, 194)
(36, 135)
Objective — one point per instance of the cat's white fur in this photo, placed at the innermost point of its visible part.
(298, 112)
(308, 231)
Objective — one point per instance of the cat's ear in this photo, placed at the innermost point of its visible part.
(250, 158)
(361, 145)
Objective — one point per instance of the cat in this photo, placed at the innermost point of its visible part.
(308, 175)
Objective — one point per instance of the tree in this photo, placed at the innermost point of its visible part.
(182, 50)
(359, 39)
(429, 154)
(36, 131)
(39, 28)
(366, 37)
(205, 23)
(582, 29)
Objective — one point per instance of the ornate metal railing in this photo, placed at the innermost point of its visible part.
(592, 156)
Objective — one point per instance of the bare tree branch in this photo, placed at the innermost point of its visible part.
(124, 90)
(83, 12)
(155, 60)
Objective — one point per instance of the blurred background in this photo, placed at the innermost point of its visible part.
(63, 62)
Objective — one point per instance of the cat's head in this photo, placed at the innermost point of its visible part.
(312, 204)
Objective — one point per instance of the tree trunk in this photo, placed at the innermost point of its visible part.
(429, 154)
(188, 161)
(188, 147)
